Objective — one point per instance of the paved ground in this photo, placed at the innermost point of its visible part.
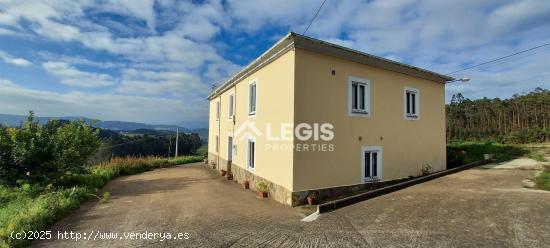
(473, 208)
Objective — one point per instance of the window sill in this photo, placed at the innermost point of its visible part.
(359, 114)
(372, 179)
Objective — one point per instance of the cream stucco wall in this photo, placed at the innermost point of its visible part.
(299, 87)
(406, 144)
(275, 106)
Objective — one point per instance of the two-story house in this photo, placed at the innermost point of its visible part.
(309, 116)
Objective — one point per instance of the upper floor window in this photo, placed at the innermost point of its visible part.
(252, 98)
(231, 106)
(359, 96)
(412, 106)
(217, 110)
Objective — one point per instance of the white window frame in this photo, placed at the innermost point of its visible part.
(218, 110)
(377, 149)
(416, 115)
(217, 144)
(250, 111)
(251, 139)
(231, 106)
(366, 112)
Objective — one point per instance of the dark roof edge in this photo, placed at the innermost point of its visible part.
(292, 40)
(315, 45)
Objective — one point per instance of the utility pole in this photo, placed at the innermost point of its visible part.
(177, 134)
(170, 146)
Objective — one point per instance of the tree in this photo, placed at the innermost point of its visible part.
(35, 154)
(520, 119)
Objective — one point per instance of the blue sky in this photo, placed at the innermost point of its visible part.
(154, 61)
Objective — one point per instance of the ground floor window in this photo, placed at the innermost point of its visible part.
(371, 163)
(251, 161)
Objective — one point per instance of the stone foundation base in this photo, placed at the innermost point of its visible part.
(240, 175)
(285, 196)
(218, 163)
(276, 192)
(321, 195)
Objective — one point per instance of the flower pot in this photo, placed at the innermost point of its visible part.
(223, 173)
(229, 176)
(262, 194)
(310, 200)
(246, 185)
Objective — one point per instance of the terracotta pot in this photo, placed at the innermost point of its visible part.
(310, 200)
(223, 173)
(262, 194)
(229, 176)
(246, 185)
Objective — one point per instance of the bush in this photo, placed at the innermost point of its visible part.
(33, 207)
(202, 151)
(468, 152)
(34, 154)
(543, 180)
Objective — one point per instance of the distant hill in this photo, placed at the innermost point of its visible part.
(132, 127)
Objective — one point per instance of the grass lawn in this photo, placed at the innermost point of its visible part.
(460, 153)
(543, 180)
(35, 208)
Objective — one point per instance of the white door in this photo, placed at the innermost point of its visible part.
(229, 148)
(371, 163)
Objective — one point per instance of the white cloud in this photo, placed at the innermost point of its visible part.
(6, 83)
(14, 61)
(79, 60)
(172, 83)
(17, 100)
(142, 9)
(69, 75)
(174, 50)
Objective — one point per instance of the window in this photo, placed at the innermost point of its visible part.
(412, 108)
(251, 154)
(217, 141)
(217, 110)
(359, 97)
(371, 164)
(229, 148)
(252, 98)
(231, 106)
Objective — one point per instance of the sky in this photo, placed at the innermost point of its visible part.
(156, 61)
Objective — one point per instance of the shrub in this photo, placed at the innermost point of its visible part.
(543, 180)
(34, 207)
(34, 154)
(468, 152)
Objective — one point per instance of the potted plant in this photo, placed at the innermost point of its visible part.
(310, 199)
(246, 184)
(223, 172)
(229, 176)
(261, 186)
(213, 163)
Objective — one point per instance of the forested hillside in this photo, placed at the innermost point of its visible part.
(521, 119)
(147, 143)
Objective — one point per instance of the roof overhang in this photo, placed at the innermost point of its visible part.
(293, 40)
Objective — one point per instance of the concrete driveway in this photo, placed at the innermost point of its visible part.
(473, 208)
